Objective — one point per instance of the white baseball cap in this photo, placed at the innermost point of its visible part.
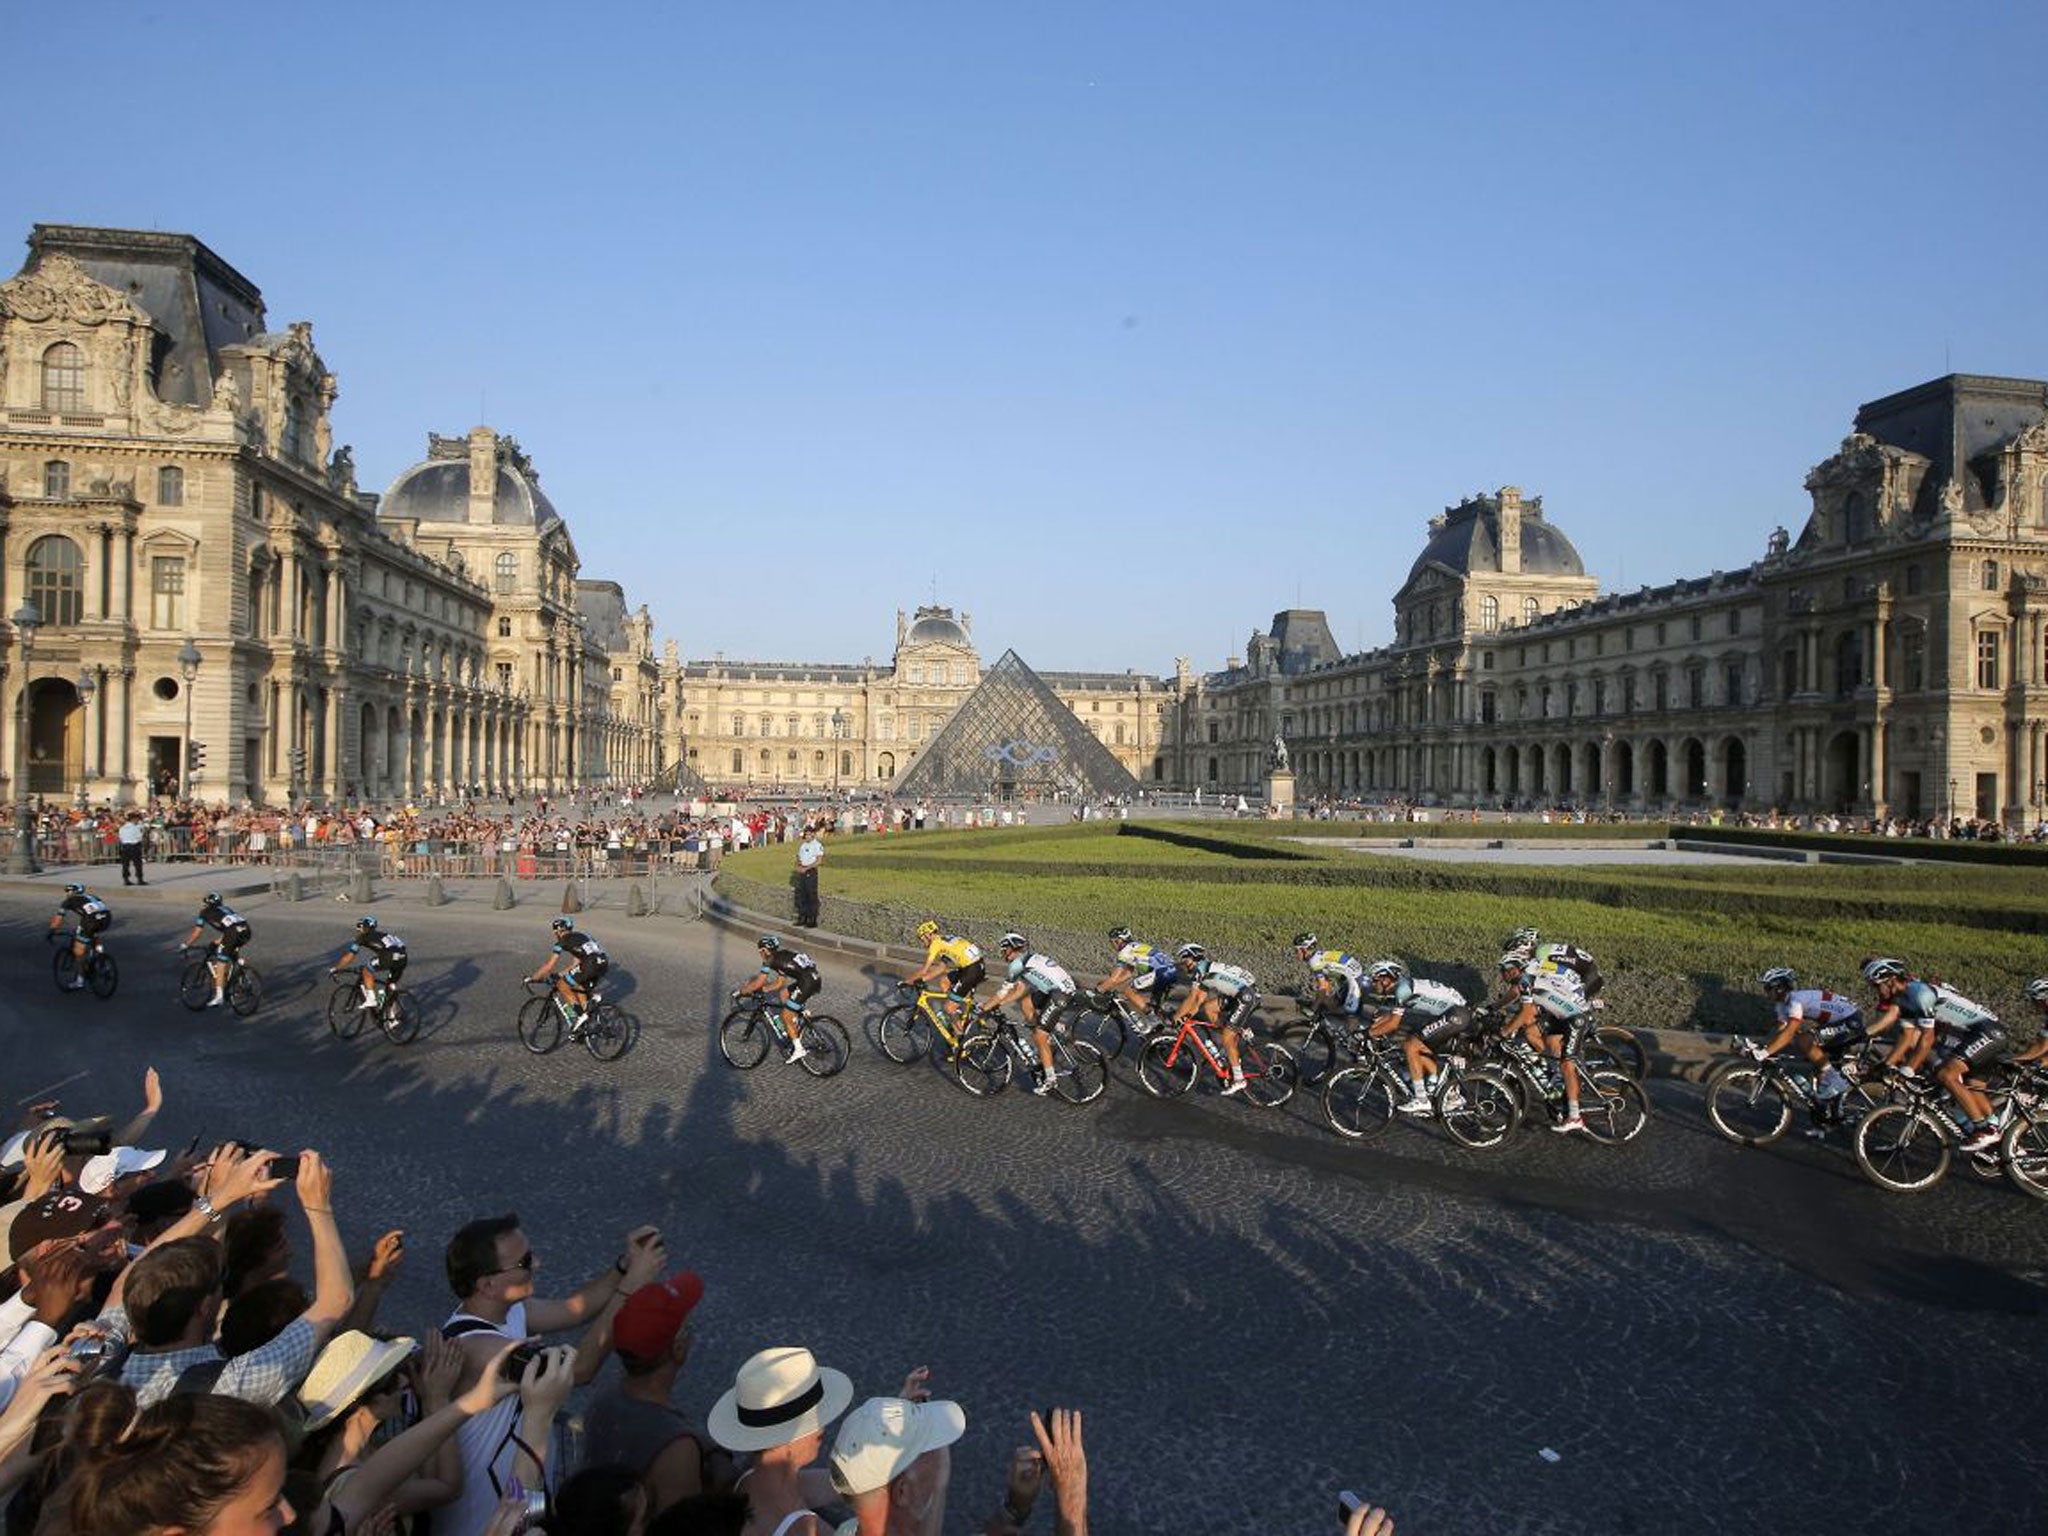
(881, 1438)
(101, 1173)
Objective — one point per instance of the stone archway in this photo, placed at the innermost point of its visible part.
(1562, 776)
(1734, 771)
(1624, 768)
(1658, 779)
(1838, 771)
(1695, 781)
(56, 736)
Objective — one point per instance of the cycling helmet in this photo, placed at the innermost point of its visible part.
(1015, 941)
(2037, 990)
(1514, 960)
(1119, 935)
(561, 925)
(927, 930)
(1386, 970)
(74, 889)
(367, 923)
(1523, 938)
(1881, 969)
(1194, 954)
(769, 942)
(213, 898)
(1305, 941)
(1777, 977)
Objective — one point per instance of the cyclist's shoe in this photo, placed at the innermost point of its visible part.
(1235, 1085)
(218, 999)
(796, 1054)
(368, 1002)
(74, 985)
(1569, 1123)
(1453, 1099)
(1046, 1083)
(1415, 1104)
(1982, 1141)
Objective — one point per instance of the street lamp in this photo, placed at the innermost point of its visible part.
(21, 859)
(839, 724)
(1607, 768)
(87, 686)
(1952, 799)
(188, 666)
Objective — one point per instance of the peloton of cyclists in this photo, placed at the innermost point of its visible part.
(1547, 1006)
(1823, 1024)
(1044, 990)
(231, 933)
(379, 955)
(1561, 957)
(89, 917)
(1142, 976)
(958, 961)
(578, 963)
(1223, 996)
(1433, 1014)
(790, 978)
(1938, 1021)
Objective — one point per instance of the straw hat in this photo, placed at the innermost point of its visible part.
(349, 1365)
(780, 1395)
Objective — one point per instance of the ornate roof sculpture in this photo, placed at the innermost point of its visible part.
(1012, 733)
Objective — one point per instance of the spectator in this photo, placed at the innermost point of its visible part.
(892, 1461)
(130, 838)
(200, 1464)
(254, 1248)
(600, 1501)
(778, 1408)
(810, 857)
(259, 1314)
(633, 1423)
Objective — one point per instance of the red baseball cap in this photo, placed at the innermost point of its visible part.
(653, 1315)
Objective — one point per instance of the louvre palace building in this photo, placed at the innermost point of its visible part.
(212, 594)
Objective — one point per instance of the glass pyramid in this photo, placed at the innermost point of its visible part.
(681, 778)
(1013, 736)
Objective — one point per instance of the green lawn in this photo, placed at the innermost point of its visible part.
(1683, 945)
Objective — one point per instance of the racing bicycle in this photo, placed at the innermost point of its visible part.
(988, 1059)
(1170, 1063)
(755, 1027)
(604, 1030)
(97, 970)
(244, 989)
(398, 1015)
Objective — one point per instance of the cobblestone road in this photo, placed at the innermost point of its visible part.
(1252, 1312)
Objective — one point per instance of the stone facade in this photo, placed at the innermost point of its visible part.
(168, 475)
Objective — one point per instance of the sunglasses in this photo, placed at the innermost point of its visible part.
(525, 1261)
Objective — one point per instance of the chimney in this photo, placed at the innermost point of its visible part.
(483, 474)
(1511, 530)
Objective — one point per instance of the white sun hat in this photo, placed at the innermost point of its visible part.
(350, 1364)
(780, 1395)
(884, 1435)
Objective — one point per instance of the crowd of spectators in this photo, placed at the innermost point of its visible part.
(1401, 811)
(186, 1347)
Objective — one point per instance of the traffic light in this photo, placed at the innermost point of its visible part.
(195, 756)
(298, 757)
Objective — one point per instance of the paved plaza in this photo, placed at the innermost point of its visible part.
(1252, 1312)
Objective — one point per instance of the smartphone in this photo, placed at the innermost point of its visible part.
(1348, 1504)
(286, 1168)
(88, 1143)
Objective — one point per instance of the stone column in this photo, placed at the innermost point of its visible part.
(125, 792)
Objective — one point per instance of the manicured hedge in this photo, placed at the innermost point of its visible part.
(1948, 850)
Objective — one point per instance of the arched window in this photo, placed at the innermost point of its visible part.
(508, 571)
(56, 479)
(63, 378)
(1489, 613)
(53, 580)
(1530, 610)
(170, 486)
(1990, 575)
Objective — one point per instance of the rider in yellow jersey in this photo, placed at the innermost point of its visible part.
(956, 959)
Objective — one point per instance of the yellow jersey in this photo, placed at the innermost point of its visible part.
(957, 953)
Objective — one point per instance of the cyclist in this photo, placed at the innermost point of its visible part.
(1560, 956)
(1224, 996)
(231, 933)
(956, 959)
(1930, 1015)
(1433, 1014)
(1044, 990)
(2037, 994)
(1824, 1023)
(1547, 1007)
(89, 918)
(578, 964)
(379, 955)
(1337, 980)
(1143, 974)
(791, 979)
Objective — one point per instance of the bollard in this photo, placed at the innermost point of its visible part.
(294, 887)
(502, 902)
(359, 888)
(636, 900)
(570, 901)
(436, 897)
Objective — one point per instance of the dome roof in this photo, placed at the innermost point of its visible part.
(1467, 538)
(936, 626)
(436, 490)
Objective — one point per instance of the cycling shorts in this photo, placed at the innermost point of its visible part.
(1234, 1011)
(92, 926)
(1837, 1034)
(1441, 1028)
(1051, 1008)
(964, 979)
(389, 967)
(587, 973)
(1149, 980)
(228, 940)
(1980, 1046)
(803, 988)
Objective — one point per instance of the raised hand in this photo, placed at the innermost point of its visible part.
(387, 1256)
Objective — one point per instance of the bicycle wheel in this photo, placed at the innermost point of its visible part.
(540, 1024)
(2026, 1156)
(1617, 1109)
(1358, 1102)
(828, 1045)
(607, 1033)
(743, 1039)
(1614, 1048)
(400, 1018)
(344, 1017)
(64, 968)
(1747, 1104)
(245, 990)
(1166, 1072)
(1104, 1029)
(905, 1033)
(104, 977)
(1314, 1048)
(1477, 1108)
(1901, 1148)
(983, 1065)
(195, 985)
(1269, 1073)
(1083, 1069)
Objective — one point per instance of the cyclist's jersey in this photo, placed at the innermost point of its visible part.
(92, 913)
(386, 951)
(957, 953)
(1954, 1015)
(1224, 980)
(1328, 961)
(1558, 993)
(1565, 957)
(582, 950)
(1156, 958)
(1426, 999)
(225, 919)
(792, 963)
(1347, 992)
(1817, 1005)
(1042, 974)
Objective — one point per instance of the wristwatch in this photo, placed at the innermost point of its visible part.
(207, 1208)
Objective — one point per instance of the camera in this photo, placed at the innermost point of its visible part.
(87, 1347)
(286, 1168)
(1348, 1504)
(82, 1143)
(514, 1368)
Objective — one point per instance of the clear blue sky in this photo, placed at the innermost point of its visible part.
(799, 306)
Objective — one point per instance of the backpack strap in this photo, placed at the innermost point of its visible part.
(199, 1378)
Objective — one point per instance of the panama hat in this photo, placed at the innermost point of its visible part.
(884, 1435)
(780, 1395)
(349, 1366)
